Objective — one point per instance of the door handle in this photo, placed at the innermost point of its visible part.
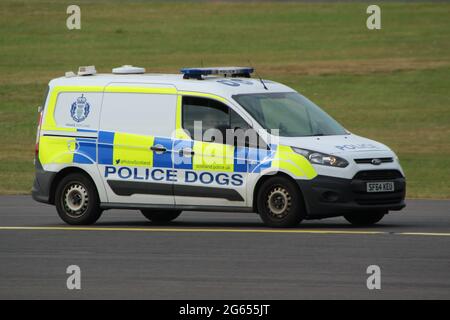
(186, 152)
(158, 148)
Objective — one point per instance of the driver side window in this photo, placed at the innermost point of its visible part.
(212, 114)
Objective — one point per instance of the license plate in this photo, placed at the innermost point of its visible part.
(380, 186)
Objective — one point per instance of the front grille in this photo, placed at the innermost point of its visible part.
(369, 160)
(378, 175)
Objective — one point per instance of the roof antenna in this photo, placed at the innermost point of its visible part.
(257, 75)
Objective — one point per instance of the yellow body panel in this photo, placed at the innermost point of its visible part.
(133, 150)
(287, 160)
(56, 150)
(213, 157)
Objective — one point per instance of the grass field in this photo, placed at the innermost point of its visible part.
(392, 85)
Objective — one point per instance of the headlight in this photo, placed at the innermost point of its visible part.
(321, 158)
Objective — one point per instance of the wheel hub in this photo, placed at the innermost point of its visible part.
(75, 200)
(279, 202)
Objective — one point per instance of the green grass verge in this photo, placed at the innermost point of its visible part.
(390, 85)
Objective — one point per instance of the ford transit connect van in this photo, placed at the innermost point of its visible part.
(211, 139)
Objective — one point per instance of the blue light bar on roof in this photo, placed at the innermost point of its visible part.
(197, 73)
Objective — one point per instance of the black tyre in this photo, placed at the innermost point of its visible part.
(280, 203)
(364, 219)
(161, 216)
(76, 200)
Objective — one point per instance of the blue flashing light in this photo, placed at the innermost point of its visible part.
(197, 73)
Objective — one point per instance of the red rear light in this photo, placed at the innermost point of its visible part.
(36, 150)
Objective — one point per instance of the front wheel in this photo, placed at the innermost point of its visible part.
(77, 201)
(161, 216)
(364, 219)
(280, 203)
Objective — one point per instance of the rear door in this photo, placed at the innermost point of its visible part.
(135, 145)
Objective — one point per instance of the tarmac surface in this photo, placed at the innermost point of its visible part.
(207, 255)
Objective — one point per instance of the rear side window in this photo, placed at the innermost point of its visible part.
(139, 113)
(78, 110)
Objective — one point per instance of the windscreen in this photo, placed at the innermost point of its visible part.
(290, 113)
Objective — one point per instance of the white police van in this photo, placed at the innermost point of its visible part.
(135, 140)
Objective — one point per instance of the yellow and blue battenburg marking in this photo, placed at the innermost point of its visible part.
(66, 148)
(181, 160)
(115, 148)
(87, 149)
(105, 147)
(131, 150)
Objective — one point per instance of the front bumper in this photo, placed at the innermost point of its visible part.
(327, 196)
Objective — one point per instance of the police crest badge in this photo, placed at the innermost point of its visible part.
(80, 109)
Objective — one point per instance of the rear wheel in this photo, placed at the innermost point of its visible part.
(161, 216)
(77, 200)
(364, 219)
(280, 204)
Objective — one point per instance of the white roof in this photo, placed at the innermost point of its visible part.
(210, 84)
